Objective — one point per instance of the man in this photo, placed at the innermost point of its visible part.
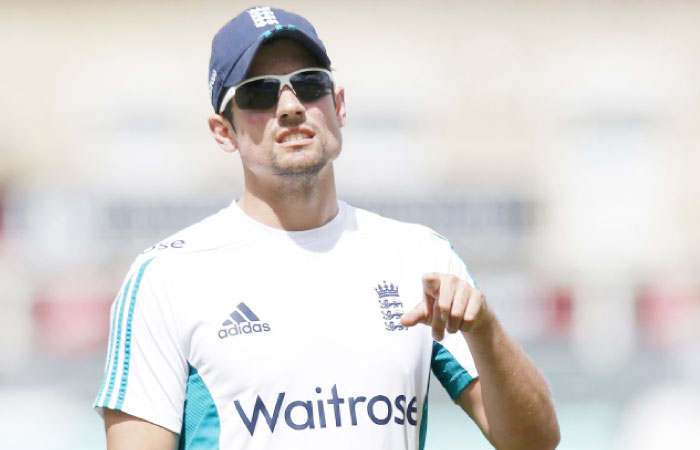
(288, 319)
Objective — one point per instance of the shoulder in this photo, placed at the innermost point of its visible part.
(409, 240)
(211, 233)
(371, 224)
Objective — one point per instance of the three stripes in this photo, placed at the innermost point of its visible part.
(236, 315)
(120, 350)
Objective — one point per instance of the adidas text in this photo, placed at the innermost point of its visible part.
(246, 328)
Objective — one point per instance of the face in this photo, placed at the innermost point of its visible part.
(292, 138)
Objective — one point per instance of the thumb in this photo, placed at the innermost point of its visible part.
(419, 314)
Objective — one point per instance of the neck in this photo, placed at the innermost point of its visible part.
(293, 204)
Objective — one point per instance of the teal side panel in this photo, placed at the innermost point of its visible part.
(201, 426)
(424, 420)
(453, 377)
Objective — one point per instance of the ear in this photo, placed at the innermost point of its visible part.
(223, 133)
(340, 105)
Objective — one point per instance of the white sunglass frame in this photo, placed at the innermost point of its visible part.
(285, 80)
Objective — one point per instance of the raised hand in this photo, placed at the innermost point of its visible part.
(449, 303)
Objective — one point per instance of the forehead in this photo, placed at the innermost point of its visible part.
(281, 56)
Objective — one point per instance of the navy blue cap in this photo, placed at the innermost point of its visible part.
(234, 47)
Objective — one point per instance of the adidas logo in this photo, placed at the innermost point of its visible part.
(242, 321)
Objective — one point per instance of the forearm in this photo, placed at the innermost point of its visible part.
(516, 398)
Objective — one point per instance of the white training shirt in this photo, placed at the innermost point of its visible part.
(241, 336)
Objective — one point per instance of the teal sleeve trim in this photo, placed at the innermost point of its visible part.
(453, 377)
(127, 337)
(201, 426)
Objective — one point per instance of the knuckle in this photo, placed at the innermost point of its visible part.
(444, 308)
(467, 324)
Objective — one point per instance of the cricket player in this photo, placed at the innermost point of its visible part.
(290, 319)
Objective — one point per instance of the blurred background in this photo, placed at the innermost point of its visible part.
(555, 143)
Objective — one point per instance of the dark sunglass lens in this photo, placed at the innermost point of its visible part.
(312, 85)
(258, 94)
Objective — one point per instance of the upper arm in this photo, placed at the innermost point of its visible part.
(126, 432)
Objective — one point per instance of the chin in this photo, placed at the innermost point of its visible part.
(300, 170)
(302, 162)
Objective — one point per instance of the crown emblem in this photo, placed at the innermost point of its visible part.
(390, 305)
(387, 290)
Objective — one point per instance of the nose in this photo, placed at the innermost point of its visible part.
(289, 107)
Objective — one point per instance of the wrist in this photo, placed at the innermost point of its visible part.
(484, 327)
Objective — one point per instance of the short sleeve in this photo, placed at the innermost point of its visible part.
(452, 362)
(146, 368)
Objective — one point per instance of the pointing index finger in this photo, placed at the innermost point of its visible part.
(431, 284)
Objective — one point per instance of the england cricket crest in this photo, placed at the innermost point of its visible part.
(390, 306)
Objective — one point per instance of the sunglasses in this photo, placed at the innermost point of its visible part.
(263, 92)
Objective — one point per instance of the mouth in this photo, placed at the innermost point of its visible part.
(296, 137)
